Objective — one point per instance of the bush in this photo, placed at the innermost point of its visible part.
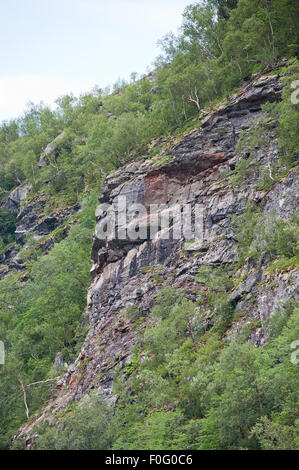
(89, 427)
(7, 225)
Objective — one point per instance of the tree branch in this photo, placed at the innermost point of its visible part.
(24, 395)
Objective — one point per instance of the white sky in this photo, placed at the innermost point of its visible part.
(49, 48)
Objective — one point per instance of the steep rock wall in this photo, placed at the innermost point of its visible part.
(32, 221)
(198, 170)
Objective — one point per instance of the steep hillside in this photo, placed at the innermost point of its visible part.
(205, 166)
(182, 343)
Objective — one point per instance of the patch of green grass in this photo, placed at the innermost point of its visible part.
(152, 269)
(132, 313)
(162, 160)
(158, 279)
(238, 316)
(7, 247)
(282, 265)
(242, 172)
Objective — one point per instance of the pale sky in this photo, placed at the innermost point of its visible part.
(49, 48)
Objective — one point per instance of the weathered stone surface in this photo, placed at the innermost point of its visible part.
(16, 197)
(125, 273)
(31, 221)
(51, 147)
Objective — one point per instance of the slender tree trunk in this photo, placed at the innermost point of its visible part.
(24, 396)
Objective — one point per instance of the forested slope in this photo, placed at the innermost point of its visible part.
(204, 365)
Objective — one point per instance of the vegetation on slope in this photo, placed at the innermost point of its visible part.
(40, 318)
(211, 56)
(187, 389)
(195, 392)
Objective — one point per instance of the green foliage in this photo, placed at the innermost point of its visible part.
(282, 237)
(182, 396)
(187, 388)
(42, 317)
(160, 431)
(221, 42)
(133, 313)
(279, 319)
(88, 427)
(274, 240)
(274, 435)
(246, 226)
(215, 297)
(260, 135)
(289, 116)
(7, 226)
(280, 120)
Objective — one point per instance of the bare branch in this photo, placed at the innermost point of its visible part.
(41, 382)
(270, 171)
(24, 395)
(193, 98)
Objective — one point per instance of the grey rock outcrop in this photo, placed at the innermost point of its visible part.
(31, 223)
(51, 147)
(16, 197)
(125, 272)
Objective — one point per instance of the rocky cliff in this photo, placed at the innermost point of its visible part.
(33, 223)
(198, 169)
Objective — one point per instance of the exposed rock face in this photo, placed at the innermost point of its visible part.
(124, 270)
(16, 197)
(31, 221)
(51, 147)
